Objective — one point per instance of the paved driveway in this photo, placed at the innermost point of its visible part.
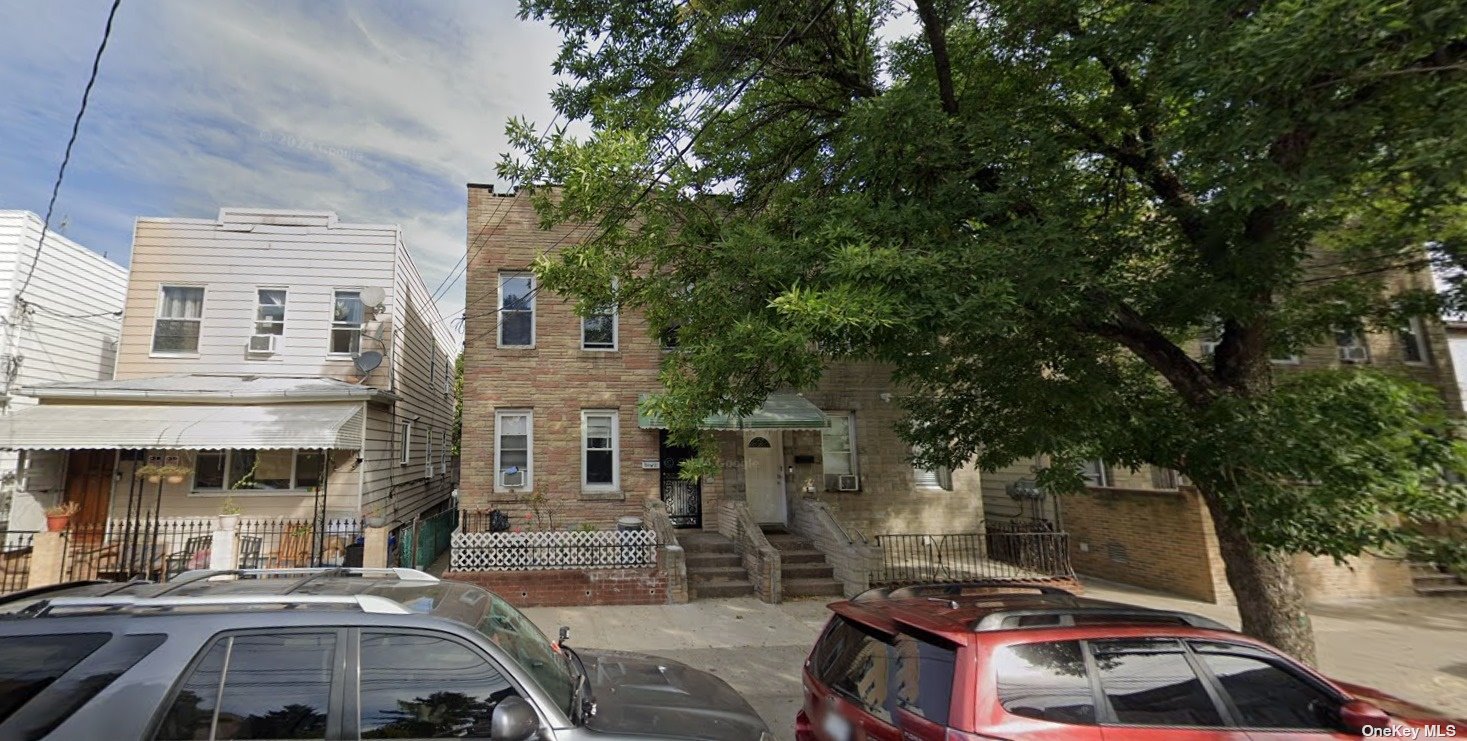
(1416, 649)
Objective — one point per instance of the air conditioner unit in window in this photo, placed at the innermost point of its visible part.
(511, 478)
(848, 482)
(1209, 347)
(263, 343)
(1354, 354)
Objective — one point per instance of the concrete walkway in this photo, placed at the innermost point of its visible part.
(1416, 649)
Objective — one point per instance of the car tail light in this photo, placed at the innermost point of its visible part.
(802, 727)
(954, 735)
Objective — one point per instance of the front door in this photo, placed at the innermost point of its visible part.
(89, 484)
(764, 476)
(684, 499)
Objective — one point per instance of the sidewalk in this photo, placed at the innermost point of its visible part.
(1416, 649)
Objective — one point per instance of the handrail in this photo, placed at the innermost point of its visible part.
(654, 511)
(766, 571)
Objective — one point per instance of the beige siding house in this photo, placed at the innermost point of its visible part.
(290, 363)
(52, 332)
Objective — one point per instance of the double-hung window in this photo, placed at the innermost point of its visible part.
(347, 315)
(1350, 345)
(179, 317)
(262, 470)
(428, 452)
(599, 450)
(270, 311)
(432, 368)
(1413, 341)
(407, 442)
(448, 373)
(1095, 473)
(598, 329)
(516, 310)
(838, 445)
(514, 431)
(443, 453)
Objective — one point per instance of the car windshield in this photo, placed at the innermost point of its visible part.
(517, 636)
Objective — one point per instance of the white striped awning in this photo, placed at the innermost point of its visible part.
(183, 426)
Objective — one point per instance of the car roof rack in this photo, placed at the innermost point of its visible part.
(1065, 617)
(363, 602)
(38, 591)
(308, 574)
(948, 590)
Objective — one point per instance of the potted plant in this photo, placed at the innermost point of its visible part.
(59, 516)
(228, 514)
(155, 473)
(375, 518)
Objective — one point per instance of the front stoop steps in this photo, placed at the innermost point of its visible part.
(804, 571)
(714, 567)
(1432, 580)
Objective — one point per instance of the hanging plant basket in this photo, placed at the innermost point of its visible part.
(171, 473)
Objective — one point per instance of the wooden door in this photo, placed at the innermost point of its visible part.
(89, 483)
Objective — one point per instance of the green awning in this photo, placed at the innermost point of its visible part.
(780, 411)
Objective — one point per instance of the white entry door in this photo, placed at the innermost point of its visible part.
(764, 476)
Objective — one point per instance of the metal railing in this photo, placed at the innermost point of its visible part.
(15, 559)
(1003, 551)
(427, 537)
(286, 543)
(140, 548)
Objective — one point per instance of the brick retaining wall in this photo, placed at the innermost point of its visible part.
(564, 588)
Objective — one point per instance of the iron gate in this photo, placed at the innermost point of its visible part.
(684, 499)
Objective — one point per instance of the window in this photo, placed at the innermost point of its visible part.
(931, 478)
(598, 330)
(1148, 682)
(270, 311)
(444, 453)
(448, 373)
(924, 678)
(407, 442)
(347, 316)
(513, 633)
(858, 665)
(1413, 341)
(420, 686)
(1095, 473)
(432, 368)
(274, 686)
(29, 664)
(1265, 694)
(180, 315)
(428, 453)
(1351, 346)
(1045, 681)
(516, 310)
(838, 444)
(599, 459)
(514, 435)
(266, 470)
(1165, 478)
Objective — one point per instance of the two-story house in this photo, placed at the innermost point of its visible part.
(52, 332)
(281, 361)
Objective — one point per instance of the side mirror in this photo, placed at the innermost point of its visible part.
(1358, 715)
(513, 720)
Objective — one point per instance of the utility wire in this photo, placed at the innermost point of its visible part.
(66, 158)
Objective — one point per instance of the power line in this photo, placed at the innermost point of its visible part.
(66, 158)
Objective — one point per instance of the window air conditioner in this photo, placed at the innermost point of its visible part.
(848, 482)
(1353, 354)
(512, 478)
(263, 343)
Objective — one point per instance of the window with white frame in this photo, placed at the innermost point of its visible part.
(406, 427)
(443, 453)
(347, 315)
(258, 470)
(600, 456)
(838, 444)
(270, 311)
(1413, 341)
(432, 368)
(516, 310)
(1095, 473)
(179, 317)
(598, 329)
(925, 478)
(428, 452)
(449, 370)
(1165, 478)
(514, 434)
(1350, 345)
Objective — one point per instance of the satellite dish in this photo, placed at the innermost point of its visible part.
(373, 296)
(368, 361)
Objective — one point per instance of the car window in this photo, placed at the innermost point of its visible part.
(1148, 682)
(1265, 694)
(1046, 681)
(924, 678)
(858, 665)
(274, 686)
(78, 686)
(421, 686)
(29, 664)
(510, 630)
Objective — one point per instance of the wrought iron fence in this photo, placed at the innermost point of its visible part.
(287, 543)
(426, 538)
(15, 559)
(142, 548)
(554, 549)
(1001, 552)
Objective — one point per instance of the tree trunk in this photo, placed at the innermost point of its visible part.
(1269, 600)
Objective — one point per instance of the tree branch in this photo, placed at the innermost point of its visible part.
(936, 32)
(1127, 328)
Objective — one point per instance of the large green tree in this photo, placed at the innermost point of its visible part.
(1030, 209)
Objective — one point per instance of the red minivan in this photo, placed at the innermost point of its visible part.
(989, 660)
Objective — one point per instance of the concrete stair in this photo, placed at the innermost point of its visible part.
(714, 567)
(1432, 580)
(804, 571)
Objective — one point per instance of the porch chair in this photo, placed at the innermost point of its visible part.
(195, 555)
(249, 551)
(294, 550)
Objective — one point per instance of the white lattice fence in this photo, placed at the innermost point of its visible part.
(532, 551)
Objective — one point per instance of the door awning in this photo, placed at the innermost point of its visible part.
(780, 411)
(183, 426)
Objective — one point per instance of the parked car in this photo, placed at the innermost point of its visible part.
(330, 654)
(986, 660)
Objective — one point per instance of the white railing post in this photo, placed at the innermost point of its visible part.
(223, 550)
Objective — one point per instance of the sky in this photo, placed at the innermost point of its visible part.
(379, 111)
